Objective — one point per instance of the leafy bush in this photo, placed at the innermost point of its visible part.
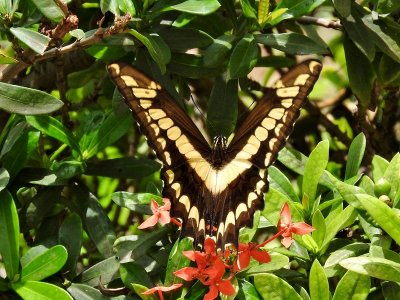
(77, 177)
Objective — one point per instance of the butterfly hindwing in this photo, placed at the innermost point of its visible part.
(212, 196)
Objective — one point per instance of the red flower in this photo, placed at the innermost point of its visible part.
(286, 227)
(160, 214)
(160, 289)
(223, 286)
(246, 251)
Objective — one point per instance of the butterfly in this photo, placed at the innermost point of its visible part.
(215, 189)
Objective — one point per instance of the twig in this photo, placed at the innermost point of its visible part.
(335, 24)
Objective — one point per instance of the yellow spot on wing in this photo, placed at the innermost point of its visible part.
(170, 176)
(115, 68)
(165, 123)
(301, 79)
(288, 91)
(156, 114)
(261, 133)
(144, 93)
(145, 103)
(174, 133)
(177, 188)
(240, 209)
(185, 201)
(129, 80)
(286, 103)
(276, 113)
(268, 123)
(155, 128)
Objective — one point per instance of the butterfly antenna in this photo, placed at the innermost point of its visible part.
(200, 111)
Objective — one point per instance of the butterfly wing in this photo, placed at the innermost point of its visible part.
(176, 140)
(256, 144)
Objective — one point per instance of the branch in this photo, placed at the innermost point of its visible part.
(9, 72)
(335, 24)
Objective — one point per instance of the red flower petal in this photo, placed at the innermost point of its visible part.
(212, 294)
(226, 287)
(154, 206)
(150, 222)
(287, 241)
(160, 289)
(286, 217)
(209, 246)
(164, 217)
(243, 260)
(167, 204)
(301, 228)
(260, 255)
(187, 273)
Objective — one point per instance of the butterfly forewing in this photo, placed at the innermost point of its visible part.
(209, 198)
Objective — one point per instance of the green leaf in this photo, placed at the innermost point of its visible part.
(126, 167)
(318, 222)
(133, 273)
(360, 71)
(373, 266)
(277, 262)
(106, 269)
(386, 217)
(384, 34)
(177, 261)
(243, 58)
(217, 53)
(13, 135)
(20, 152)
(343, 7)
(139, 289)
(263, 10)
(54, 128)
(247, 291)
(157, 48)
(50, 10)
(352, 286)
(313, 171)
(94, 218)
(281, 183)
(390, 290)
(379, 166)
(197, 7)
(182, 39)
(351, 250)
(295, 8)
(270, 286)
(340, 221)
(85, 292)
(34, 40)
(359, 33)
(137, 202)
(192, 66)
(392, 175)
(389, 70)
(35, 290)
(291, 43)
(9, 234)
(355, 156)
(4, 178)
(26, 101)
(222, 108)
(70, 236)
(112, 129)
(319, 286)
(248, 10)
(45, 264)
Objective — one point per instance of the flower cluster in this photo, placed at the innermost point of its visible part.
(216, 268)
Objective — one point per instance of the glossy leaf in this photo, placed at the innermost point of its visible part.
(314, 168)
(196, 7)
(277, 262)
(106, 270)
(13, 135)
(85, 292)
(26, 101)
(127, 167)
(177, 261)
(355, 156)
(295, 9)
(263, 10)
(343, 7)
(281, 183)
(45, 264)
(243, 58)
(109, 131)
(291, 43)
(157, 48)
(181, 39)
(319, 286)
(4, 178)
(222, 108)
(133, 273)
(35, 290)
(217, 52)
(270, 286)
(247, 291)
(360, 71)
(70, 236)
(374, 267)
(34, 40)
(50, 10)
(138, 202)
(379, 166)
(392, 175)
(9, 234)
(318, 222)
(352, 286)
(192, 66)
(387, 219)
(247, 9)
(16, 159)
(54, 128)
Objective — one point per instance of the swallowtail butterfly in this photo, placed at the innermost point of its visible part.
(216, 189)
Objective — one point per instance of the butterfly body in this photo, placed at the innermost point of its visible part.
(215, 190)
